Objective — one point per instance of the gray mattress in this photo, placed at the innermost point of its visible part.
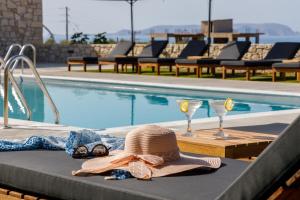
(49, 173)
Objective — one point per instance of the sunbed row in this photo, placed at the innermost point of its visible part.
(192, 57)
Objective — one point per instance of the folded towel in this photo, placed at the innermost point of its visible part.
(75, 139)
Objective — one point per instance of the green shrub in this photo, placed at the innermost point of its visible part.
(100, 38)
(50, 41)
(79, 38)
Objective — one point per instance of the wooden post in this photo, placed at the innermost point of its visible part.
(170, 68)
(84, 67)
(100, 67)
(158, 70)
(69, 67)
(139, 69)
(282, 75)
(248, 75)
(199, 72)
(116, 66)
(153, 69)
(273, 75)
(298, 76)
(177, 70)
(213, 70)
(223, 72)
(232, 72)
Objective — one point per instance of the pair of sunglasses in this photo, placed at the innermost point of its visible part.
(98, 150)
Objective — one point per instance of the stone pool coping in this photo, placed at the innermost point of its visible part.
(171, 86)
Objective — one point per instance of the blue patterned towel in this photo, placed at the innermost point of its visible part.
(75, 139)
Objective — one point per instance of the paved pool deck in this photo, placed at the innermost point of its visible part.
(271, 122)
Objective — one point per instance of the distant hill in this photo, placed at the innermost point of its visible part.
(270, 29)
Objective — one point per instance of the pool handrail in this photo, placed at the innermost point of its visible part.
(17, 89)
(11, 48)
(23, 48)
(7, 74)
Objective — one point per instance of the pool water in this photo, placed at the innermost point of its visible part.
(103, 106)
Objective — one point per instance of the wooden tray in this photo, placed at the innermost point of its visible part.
(240, 144)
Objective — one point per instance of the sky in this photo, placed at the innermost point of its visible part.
(92, 16)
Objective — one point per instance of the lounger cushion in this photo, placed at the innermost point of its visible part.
(122, 48)
(194, 48)
(127, 60)
(283, 50)
(198, 61)
(295, 65)
(234, 50)
(86, 59)
(49, 173)
(154, 49)
(167, 61)
(250, 63)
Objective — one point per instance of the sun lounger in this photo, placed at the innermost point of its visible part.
(232, 51)
(282, 68)
(121, 49)
(82, 61)
(193, 48)
(277, 164)
(280, 51)
(48, 174)
(152, 50)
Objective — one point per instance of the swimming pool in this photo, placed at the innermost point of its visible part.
(104, 105)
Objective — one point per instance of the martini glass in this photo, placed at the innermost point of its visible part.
(220, 109)
(189, 107)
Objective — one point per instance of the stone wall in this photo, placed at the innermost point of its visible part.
(59, 53)
(21, 22)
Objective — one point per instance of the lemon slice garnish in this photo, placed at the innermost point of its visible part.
(229, 104)
(184, 106)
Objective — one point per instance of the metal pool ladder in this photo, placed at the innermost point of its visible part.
(9, 67)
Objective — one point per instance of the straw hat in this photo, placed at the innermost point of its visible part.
(150, 151)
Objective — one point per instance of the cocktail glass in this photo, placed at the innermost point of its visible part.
(189, 107)
(220, 109)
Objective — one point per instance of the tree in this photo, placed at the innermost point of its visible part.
(79, 38)
(100, 38)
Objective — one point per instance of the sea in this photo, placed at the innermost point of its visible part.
(264, 39)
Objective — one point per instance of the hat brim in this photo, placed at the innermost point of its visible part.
(185, 163)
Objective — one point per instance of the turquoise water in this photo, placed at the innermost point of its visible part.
(103, 106)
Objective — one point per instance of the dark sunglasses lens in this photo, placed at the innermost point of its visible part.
(81, 151)
(100, 150)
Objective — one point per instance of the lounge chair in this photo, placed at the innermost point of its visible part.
(282, 68)
(193, 48)
(280, 51)
(152, 50)
(48, 174)
(277, 164)
(232, 51)
(121, 49)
